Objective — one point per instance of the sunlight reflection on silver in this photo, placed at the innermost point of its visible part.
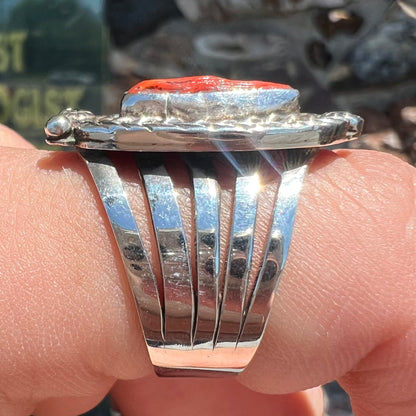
(237, 120)
(139, 271)
(173, 252)
(213, 327)
(258, 307)
(240, 250)
(207, 237)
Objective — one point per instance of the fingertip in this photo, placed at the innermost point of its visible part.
(73, 313)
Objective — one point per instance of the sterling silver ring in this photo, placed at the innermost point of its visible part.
(204, 306)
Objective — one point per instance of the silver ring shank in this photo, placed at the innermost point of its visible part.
(213, 321)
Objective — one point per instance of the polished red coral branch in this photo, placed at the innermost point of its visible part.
(204, 83)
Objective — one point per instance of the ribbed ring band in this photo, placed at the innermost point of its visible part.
(204, 308)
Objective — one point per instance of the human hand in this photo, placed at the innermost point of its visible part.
(345, 307)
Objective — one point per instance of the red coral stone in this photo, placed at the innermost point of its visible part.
(204, 83)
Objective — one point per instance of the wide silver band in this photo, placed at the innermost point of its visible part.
(208, 313)
(205, 290)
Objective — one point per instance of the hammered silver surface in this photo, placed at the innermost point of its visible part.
(296, 130)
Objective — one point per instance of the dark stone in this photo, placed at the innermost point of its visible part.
(130, 19)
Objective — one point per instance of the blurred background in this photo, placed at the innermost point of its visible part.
(358, 56)
(350, 55)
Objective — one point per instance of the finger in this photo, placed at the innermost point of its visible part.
(383, 382)
(10, 138)
(72, 319)
(346, 295)
(69, 327)
(206, 397)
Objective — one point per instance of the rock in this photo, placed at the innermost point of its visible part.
(408, 114)
(388, 55)
(130, 19)
(225, 10)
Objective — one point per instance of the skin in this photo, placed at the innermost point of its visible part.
(345, 308)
